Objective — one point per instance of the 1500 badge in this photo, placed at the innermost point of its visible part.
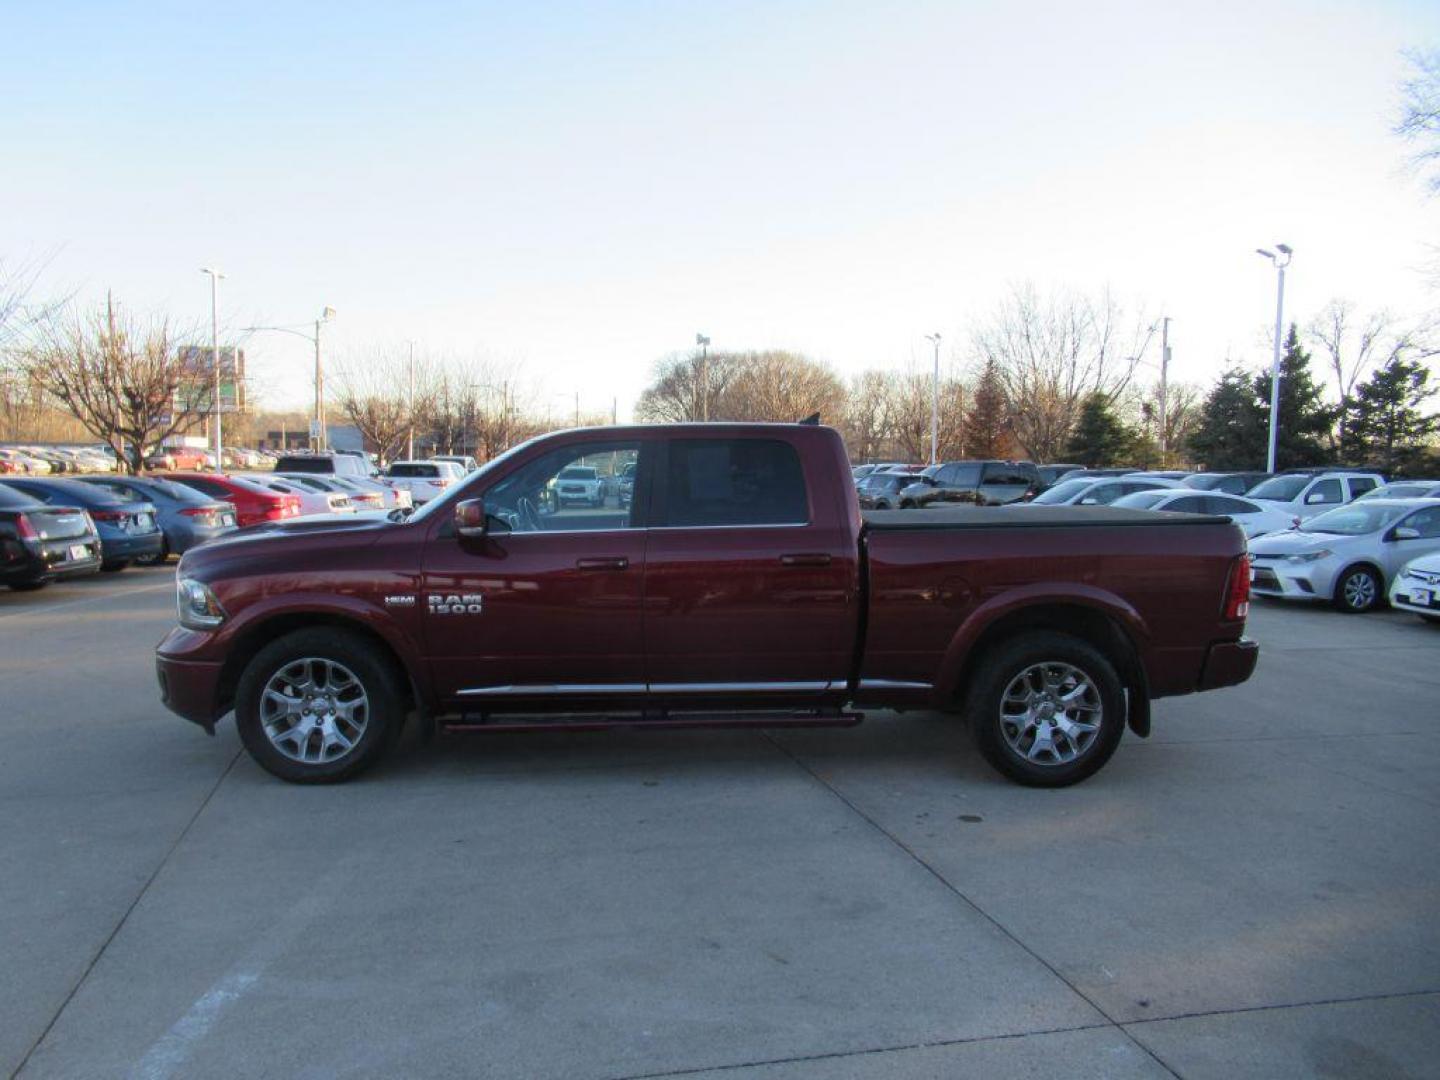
(468, 604)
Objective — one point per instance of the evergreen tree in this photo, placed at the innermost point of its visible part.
(1099, 438)
(986, 421)
(1230, 433)
(1387, 425)
(1305, 419)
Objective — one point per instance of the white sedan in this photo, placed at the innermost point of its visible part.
(1417, 588)
(1348, 555)
(423, 479)
(1253, 518)
(1102, 491)
(311, 500)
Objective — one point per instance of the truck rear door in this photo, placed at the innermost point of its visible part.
(751, 573)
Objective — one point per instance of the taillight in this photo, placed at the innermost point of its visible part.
(1237, 590)
(108, 515)
(27, 528)
(203, 515)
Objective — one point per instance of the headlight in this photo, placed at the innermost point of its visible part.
(197, 606)
(1310, 556)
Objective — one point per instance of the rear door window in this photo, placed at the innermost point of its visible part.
(729, 482)
(1359, 485)
(1189, 504)
(1328, 490)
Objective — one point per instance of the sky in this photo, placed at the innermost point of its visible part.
(572, 191)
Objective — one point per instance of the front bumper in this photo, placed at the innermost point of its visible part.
(1229, 663)
(1403, 596)
(1293, 581)
(190, 689)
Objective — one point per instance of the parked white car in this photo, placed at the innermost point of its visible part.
(423, 479)
(1417, 588)
(312, 500)
(1253, 518)
(1097, 491)
(1406, 489)
(1305, 494)
(1348, 555)
(579, 484)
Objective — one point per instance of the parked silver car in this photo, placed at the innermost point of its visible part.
(1348, 555)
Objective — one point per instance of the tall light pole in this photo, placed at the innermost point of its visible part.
(1280, 262)
(410, 410)
(326, 314)
(1164, 382)
(215, 276)
(935, 401)
(704, 343)
(317, 423)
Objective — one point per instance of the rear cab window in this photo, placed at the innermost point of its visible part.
(732, 482)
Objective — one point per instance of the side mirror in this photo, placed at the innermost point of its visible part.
(1404, 532)
(470, 518)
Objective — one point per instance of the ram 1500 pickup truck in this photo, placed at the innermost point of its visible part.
(740, 584)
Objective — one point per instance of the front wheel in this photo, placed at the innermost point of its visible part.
(319, 706)
(1046, 709)
(1357, 590)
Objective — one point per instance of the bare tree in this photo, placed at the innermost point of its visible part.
(780, 386)
(685, 388)
(1420, 114)
(373, 390)
(1053, 352)
(910, 398)
(124, 380)
(1354, 345)
(868, 423)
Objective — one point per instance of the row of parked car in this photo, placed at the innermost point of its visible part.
(1342, 535)
(45, 460)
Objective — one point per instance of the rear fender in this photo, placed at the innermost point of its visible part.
(1048, 604)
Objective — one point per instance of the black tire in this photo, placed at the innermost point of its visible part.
(31, 586)
(1434, 620)
(906, 504)
(882, 505)
(985, 704)
(1359, 589)
(381, 682)
(114, 566)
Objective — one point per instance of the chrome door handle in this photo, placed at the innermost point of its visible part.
(815, 558)
(617, 563)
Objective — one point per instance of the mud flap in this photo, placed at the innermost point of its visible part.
(1137, 711)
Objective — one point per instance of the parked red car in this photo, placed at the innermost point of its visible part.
(741, 584)
(254, 504)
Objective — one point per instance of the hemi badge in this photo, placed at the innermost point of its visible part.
(399, 601)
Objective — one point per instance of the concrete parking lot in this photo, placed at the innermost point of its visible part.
(1251, 892)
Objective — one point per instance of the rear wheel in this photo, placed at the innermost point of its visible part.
(318, 706)
(1046, 709)
(1357, 590)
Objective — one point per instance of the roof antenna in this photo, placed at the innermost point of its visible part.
(813, 419)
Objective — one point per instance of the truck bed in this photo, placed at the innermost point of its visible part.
(990, 517)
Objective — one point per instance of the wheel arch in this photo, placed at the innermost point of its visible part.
(1113, 633)
(248, 643)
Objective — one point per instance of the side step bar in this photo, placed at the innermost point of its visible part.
(656, 718)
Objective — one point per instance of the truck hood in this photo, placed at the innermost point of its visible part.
(256, 542)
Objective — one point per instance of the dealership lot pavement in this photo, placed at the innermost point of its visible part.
(1251, 892)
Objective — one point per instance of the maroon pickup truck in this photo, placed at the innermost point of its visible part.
(737, 582)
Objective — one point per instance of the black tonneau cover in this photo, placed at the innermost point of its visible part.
(1022, 516)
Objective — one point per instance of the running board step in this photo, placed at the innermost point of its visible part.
(658, 718)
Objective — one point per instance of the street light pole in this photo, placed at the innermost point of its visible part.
(1164, 383)
(935, 402)
(1280, 262)
(704, 343)
(215, 276)
(317, 442)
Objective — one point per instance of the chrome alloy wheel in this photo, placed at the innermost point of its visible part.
(1051, 713)
(314, 710)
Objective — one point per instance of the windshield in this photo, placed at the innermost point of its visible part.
(1063, 491)
(1401, 491)
(1354, 520)
(1279, 488)
(1140, 500)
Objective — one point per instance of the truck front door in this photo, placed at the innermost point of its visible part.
(545, 609)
